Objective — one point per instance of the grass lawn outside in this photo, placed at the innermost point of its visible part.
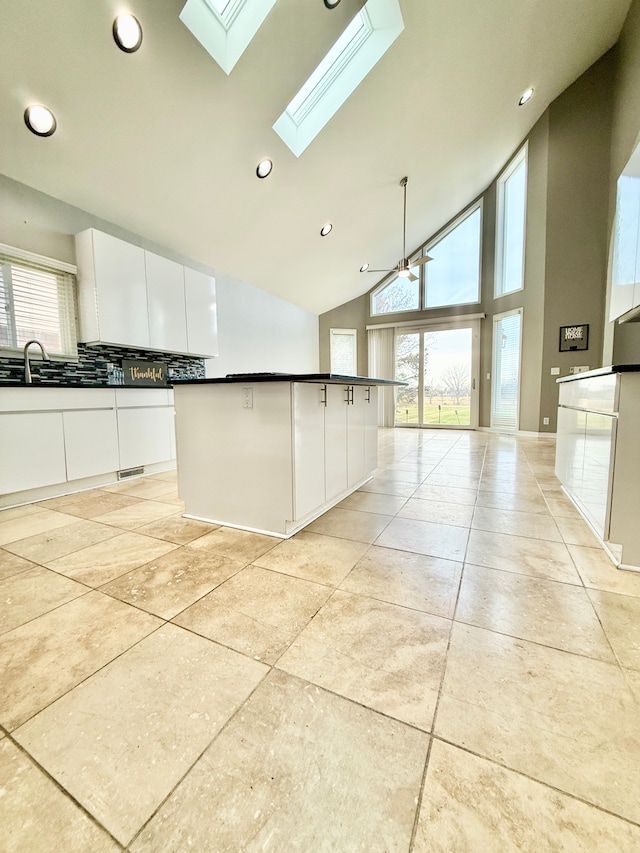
(447, 413)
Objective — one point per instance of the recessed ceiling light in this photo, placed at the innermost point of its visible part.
(40, 120)
(127, 33)
(331, 4)
(525, 96)
(264, 168)
(326, 229)
(364, 267)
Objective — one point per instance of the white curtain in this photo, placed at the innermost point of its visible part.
(382, 366)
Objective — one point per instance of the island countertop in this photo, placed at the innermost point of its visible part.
(322, 378)
(601, 371)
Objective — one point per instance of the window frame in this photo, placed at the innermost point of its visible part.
(521, 157)
(494, 425)
(424, 250)
(386, 282)
(353, 333)
(439, 237)
(10, 256)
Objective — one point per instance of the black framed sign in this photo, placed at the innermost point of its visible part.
(574, 338)
(145, 373)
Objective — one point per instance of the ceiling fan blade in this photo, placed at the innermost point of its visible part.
(393, 270)
(412, 277)
(420, 261)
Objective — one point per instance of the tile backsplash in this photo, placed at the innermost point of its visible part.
(93, 365)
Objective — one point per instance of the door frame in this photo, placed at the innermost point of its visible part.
(445, 325)
(494, 351)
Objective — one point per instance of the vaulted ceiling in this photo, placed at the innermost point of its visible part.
(163, 143)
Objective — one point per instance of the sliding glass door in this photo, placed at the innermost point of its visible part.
(439, 365)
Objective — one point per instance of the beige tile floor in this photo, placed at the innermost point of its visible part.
(447, 661)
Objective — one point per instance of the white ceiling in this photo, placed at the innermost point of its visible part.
(164, 144)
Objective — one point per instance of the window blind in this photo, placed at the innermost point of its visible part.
(37, 301)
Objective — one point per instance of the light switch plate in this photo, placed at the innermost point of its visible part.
(247, 398)
(555, 371)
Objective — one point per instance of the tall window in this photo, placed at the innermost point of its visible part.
(510, 230)
(36, 301)
(453, 276)
(505, 389)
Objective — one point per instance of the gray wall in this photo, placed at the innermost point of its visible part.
(576, 224)
(566, 251)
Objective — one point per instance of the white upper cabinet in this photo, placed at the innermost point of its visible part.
(112, 290)
(202, 318)
(165, 296)
(135, 298)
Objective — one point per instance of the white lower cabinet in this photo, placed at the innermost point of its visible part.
(271, 456)
(53, 439)
(309, 449)
(598, 457)
(144, 436)
(335, 440)
(91, 443)
(31, 450)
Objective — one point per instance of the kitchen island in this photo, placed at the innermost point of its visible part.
(269, 453)
(598, 455)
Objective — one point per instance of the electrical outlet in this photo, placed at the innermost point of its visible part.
(488, 376)
(545, 421)
(247, 398)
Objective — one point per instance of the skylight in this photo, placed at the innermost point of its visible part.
(364, 41)
(225, 27)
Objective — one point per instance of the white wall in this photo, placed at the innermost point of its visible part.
(258, 332)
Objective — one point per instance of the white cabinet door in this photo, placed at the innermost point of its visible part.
(112, 282)
(144, 436)
(91, 443)
(371, 429)
(165, 295)
(335, 440)
(202, 321)
(31, 451)
(308, 449)
(356, 435)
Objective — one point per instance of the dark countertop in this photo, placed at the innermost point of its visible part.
(329, 378)
(67, 385)
(601, 371)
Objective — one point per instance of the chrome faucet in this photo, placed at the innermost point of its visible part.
(27, 369)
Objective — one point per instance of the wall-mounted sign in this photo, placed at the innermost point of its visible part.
(145, 373)
(574, 338)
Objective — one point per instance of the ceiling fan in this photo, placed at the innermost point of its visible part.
(404, 266)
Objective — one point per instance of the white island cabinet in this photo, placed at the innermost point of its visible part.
(598, 455)
(271, 454)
